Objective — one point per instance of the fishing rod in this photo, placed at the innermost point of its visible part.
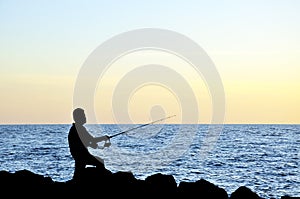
(111, 136)
(107, 142)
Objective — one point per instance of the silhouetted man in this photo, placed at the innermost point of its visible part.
(79, 140)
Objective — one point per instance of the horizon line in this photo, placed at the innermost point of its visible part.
(151, 124)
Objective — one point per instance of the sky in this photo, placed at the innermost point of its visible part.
(254, 45)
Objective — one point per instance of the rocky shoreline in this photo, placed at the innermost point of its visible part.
(95, 183)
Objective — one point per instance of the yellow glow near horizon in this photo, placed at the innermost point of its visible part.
(260, 86)
(257, 57)
(251, 97)
(124, 65)
(36, 99)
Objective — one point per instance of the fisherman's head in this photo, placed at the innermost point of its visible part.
(79, 116)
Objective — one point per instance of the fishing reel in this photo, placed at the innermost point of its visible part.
(107, 143)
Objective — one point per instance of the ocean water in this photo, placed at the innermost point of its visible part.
(265, 158)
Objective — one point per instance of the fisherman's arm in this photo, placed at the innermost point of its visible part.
(101, 138)
(95, 140)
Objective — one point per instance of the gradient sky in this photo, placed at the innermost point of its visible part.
(255, 46)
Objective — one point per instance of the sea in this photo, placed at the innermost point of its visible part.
(262, 157)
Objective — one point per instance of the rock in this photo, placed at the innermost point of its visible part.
(24, 182)
(289, 197)
(202, 188)
(159, 183)
(244, 193)
(93, 182)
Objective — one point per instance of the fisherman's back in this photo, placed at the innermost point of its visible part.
(76, 145)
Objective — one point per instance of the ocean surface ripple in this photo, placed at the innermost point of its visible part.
(265, 158)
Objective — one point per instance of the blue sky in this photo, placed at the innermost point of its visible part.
(254, 43)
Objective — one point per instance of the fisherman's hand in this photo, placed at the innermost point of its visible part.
(106, 137)
(94, 145)
(107, 144)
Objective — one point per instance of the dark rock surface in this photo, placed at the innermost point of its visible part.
(95, 183)
(244, 192)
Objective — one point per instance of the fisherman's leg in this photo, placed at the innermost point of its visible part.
(79, 166)
(99, 164)
(96, 161)
(99, 160)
